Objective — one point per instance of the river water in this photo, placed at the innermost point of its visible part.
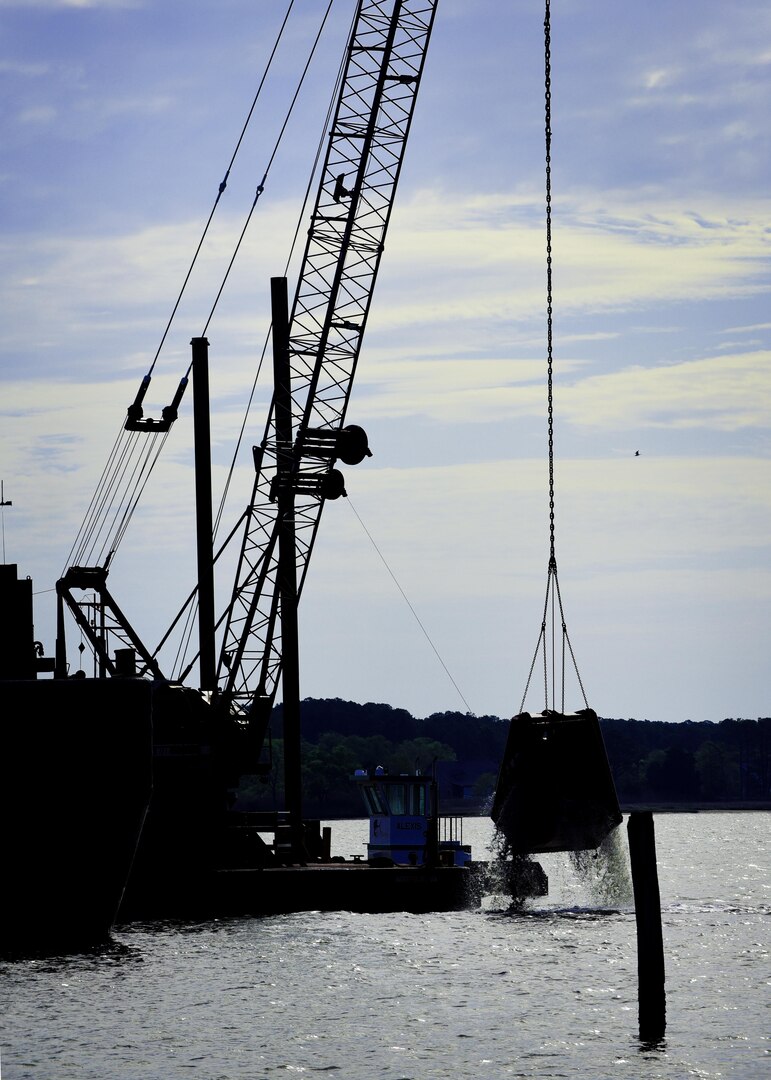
(548, 993)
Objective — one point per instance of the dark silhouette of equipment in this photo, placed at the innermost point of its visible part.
(209, 739)
(555, 791)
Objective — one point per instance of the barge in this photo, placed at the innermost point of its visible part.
(75, 784)
(415, 860)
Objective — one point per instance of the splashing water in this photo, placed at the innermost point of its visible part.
(505, 871)
(604, 872)
(595, 878)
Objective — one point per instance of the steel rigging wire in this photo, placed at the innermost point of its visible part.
(290, 256)
(184, 662)
(134, 455)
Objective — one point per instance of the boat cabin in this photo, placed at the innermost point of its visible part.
(404, 826)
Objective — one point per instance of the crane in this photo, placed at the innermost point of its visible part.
(378, 88)
(307, 435)
(365, 151)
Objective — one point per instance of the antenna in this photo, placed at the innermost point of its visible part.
(3, 503)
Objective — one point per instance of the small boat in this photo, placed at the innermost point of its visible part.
(405, 828)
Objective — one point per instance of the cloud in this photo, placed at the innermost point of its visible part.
(660, 77)
(723, 394)
(103, 299)
(55, 5)
(450, 262)
(457, 331)
(485, 526)
(484, 257)
(447, 380)
(751, 329)
(38, 115)
(104, 110)
(727, 393)
(25, 69)
(451, 390)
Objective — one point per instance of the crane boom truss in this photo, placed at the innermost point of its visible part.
(381, 77)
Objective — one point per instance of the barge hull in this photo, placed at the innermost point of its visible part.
(75, 783)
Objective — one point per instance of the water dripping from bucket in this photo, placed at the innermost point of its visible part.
(602, 874)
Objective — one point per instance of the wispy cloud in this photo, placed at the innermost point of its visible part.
(55, 5)
(722, 394)
(37, 115)
(622, 251)
(28, 69)
(655, 515)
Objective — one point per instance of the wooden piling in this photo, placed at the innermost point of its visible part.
(651, 996)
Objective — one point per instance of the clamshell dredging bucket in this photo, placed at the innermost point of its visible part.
(555, 791)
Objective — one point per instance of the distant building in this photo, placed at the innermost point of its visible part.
(459, 785)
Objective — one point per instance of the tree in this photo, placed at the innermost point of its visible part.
(671, 774)
(715, 771)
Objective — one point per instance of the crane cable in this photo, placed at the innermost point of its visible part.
(224, 183)
(408, 602)
(261, 185)
(108, 495)
(99, 511)
(298, 227)
(184, 646)
(552, 581)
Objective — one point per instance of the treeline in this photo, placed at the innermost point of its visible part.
(651, 761)
(690, 762)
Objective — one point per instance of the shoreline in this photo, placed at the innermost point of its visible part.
(458, 809)
(698, 807)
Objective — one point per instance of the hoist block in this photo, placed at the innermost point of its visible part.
(350, 444)
(555, 790)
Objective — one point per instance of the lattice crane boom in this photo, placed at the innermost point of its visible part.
(378, 90)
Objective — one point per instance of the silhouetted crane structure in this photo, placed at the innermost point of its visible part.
(555, 791)
(328, 319)
(306, 433)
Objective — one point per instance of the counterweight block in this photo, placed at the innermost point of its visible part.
(555, 791)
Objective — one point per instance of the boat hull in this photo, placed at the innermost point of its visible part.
(76, 783)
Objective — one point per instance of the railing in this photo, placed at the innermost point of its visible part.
(451, 829)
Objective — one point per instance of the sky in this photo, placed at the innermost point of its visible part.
(120, 119)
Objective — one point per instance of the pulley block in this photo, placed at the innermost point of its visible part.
(329, 485)
(350, 444)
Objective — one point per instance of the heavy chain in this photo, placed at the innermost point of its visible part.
(553, 596)
(549, 317)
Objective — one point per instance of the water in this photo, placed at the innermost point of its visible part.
(549, 993)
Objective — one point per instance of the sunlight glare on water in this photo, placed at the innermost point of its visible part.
(547, 993)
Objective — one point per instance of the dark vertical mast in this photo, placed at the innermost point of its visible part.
(287, 559)
(202, 428)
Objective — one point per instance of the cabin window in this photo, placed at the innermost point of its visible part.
(418, 801)
(375, 802)
(396, 798)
